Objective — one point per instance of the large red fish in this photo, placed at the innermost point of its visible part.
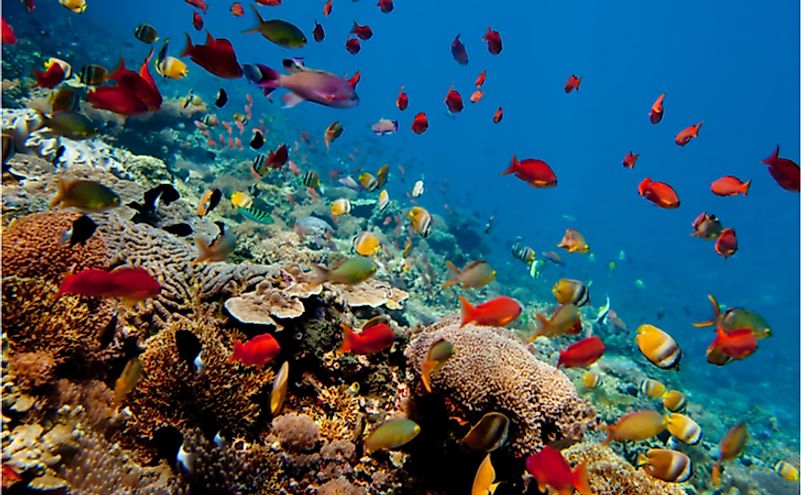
(454, 101)
(50, 78)
(140, 85)
(493, 39)
(551, 469)
(258, 351)
(582, 353)
(118, 100)
(688, 133)
(784, 171)
(495, 312)
(659, 193)
(217, 56)
(9, 38)
(372, 339)
(726, 244)
(534, 171)
(657, 110)
(128, 283)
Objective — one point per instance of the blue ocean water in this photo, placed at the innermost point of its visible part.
(734, 65)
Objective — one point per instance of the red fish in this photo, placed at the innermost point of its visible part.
(688, 133)
(736, 344)
(420, 123)
(353, 46)
(50, 78)
(216, 56)
(551, 469)
(481, 78)
(269, 3)
(9, 38)
(657, 110)
(327, 7)
(373, 338)
(729, 185)
(29, 4)
(403, 100)
(582, 354)
(495, 312)
(386, 6)
(458, 51)
(784, 171)
(128, 283)
(726, 244)
(318, 33)
(238, 143)
(476, 96)
(259, 350)
(630, 159)
(237, 10)
(227, 127)
(659, 193)
(278, 158)
(139, 85)
(498, 115)
(363, 32)
(454, 101)
(573, 83)
(10, 476)
(353, 81)
(532, 170)
(493, 39)
(118, 100)
(197, 21)
(201, 4)
(230, 143)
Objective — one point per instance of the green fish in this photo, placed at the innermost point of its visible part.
(86, 195)
(392, 434)
(474, 275)
(71, 125)
(351, 271)
(280, 32)
(255, 214)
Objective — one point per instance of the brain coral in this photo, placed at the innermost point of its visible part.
(491, 370)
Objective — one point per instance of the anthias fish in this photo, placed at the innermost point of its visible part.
(313, 85)
(217, 56)
(128, 283)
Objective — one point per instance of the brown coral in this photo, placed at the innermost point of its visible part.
(491, 370)
(261, 305)
(609, 474)
(374, 293)
(32, 369)
(296, 431)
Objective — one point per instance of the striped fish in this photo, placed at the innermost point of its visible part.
(255, 214)
(311, 179)
(523, 253)
(259, 166)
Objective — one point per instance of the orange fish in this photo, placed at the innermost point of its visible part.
(730, 447)
(454, 101)
(688, 133)
(736, 344)
(374, 337)
(258, 351)
(134, 284)
(498, 115)
(574, 242)
(657, 110)
(481, 78)
(729, 185)
(630, 159)
(582, 354)
(572, 83)
(420, 123)
(403, 100)
(550, 469)
(726, 245)
(784, 171)
(327, 7)
(476, 96)
(237, 10)
(353, 81)
(659, 193)
(496, 312)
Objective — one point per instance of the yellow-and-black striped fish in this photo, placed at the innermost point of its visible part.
(658, 347)
(523, 253)
(684, 428)
(786, 470)
(674, 401)
(93, 75)
(666, 465)
(311, 179)
(146, 33)
(571, 291)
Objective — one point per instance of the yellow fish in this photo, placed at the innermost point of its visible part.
(658, 347)
(368, 181)
(564, 320)
(674, 401)
(77, 6)
(383, 200)
(484, 482)
(439, 352)
(786, 470)
(636, 426)
(241, 200)
(684, 428)
(652, 388)
(421, 220)
(366, 244)
(591, 380)
(666, 465)
(127, 380)
(280, 385)
(392, 434)
(731, 446)
(340, 207)
(172, 68)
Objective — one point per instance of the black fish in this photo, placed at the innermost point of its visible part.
(220, 225)
(222, 98)
(213, 200)
(211, 155)
(179, 229)
(147, 211)
(81, 230)
(258, 140)
(190, 349)
(146, 33)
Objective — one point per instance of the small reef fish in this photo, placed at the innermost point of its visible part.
(420, 123)
(453, 100)
(279, 390)
(572, 84)
(197, 21)
(340, 206)
(375, 336)
(438, 354)
(382, 175)
(688, 133)
(667, 465)
(366, 244)
(351, 271)
(784, 171)
(332, 133)
(652, 388)
(257, 351)
(237, 10)
(92, 75)
(473, 275)
(353, 46)
(493, 39)
(386, 6)
(498, 115)
(533, 171)
(523, 253)
(363, 32)
(737, 317)
(476, 96)
(76, 6)
(566, 319)
(657, 110)
(630, 159)
(591, 380)
(731, 446)
(674, 401)
(481, 78)
(496, 312)
(726, 243)
(127, 380)
(327, 7)
(217, 57)
(200, 4)
(282, 33)
(9, 38)
(551, 470)
(458, 51)
(636, 426)
(658, 347)
(318, 33)
(86, 195)
(218, 250)
(71, 125)
(146, 33)
(484, 482)
(255, 214)
(311, 179)
(305, 84)
(133, 284)
(403, 100)
(221, 99)
(418, 189)
(489, 434)
(728, 185)
(257, 142)
(786, 470)
(569, 291)
(55, 72)
(383, 200)
(659, 193)
(147, 210)
(684, 428)
(210, 199)
(736, 344)
(573, 242)
(391, 435)
(582, 354)
(82, 229)
(706, 227)
(421, 220)
(170, 67)
(385, 127)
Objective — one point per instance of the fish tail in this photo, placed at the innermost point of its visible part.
(62, 190)
(711, 322)
(609, 432)
(578, 83)
(425, 374)
(259, 18)
(772, 158)
(580, 480)
(455, 276)
(486, 35)
(746, 187)
(697, 128)
(642, 459)
(188, 47)
(468, 311)
(204, 251)
(321, 274)
(347, 338)
(716, 474)
(512, 166)
(544, 321)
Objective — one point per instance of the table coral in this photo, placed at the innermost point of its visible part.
(491, 370)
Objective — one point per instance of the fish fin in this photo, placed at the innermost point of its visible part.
(746, 187)
(291, 100)
(642, 459)
(580, 480)
(204, 251)
(320, 275)
(425, 374)
(62, 190)
(258, 16)
(237, 354)
(711, 322)
(716, 474)
(559, 362)
(544, 321)
(188, 47)
(468, 311)
(697, 128)
(453, 280)
(512, 166)
(772, 158)
(117, 72)
(347, 338)
(209, 38)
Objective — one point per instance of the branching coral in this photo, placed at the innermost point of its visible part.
(490, 370)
